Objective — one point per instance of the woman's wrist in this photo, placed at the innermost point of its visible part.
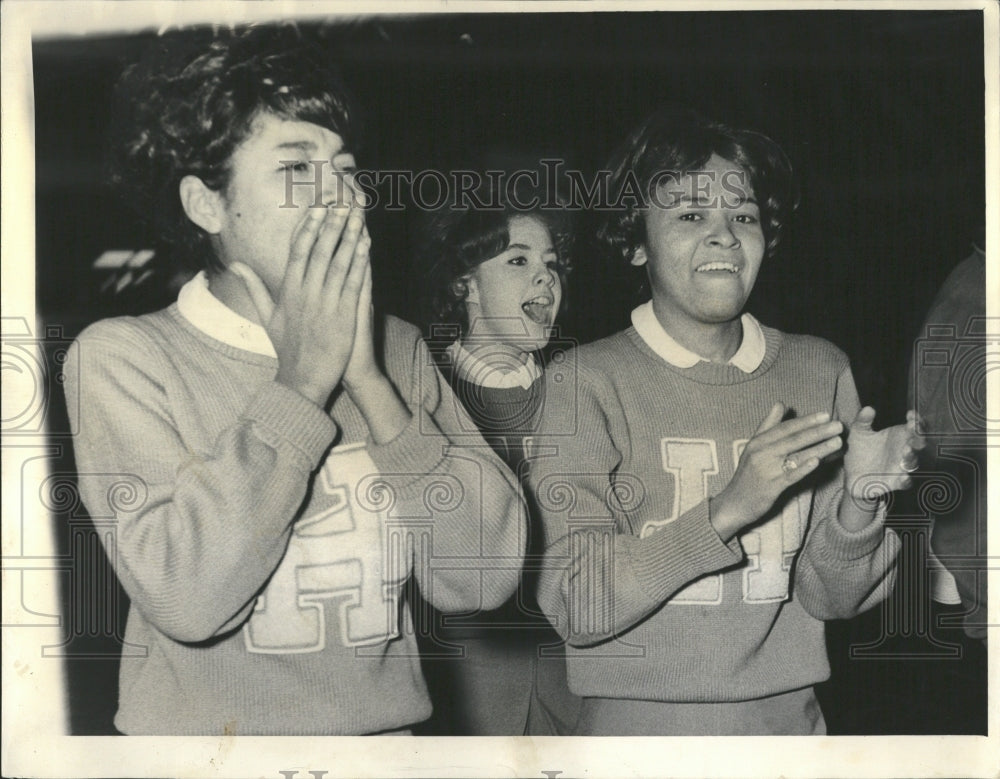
(380, 405)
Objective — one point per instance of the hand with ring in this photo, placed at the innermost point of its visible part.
(788, 464)
(779, 455)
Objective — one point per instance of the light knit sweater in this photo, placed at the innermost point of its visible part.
(507, 686)
(264, 567)
(654, 604)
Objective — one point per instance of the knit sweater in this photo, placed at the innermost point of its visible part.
(654, 605)
(506, 417)
(508, 685)
(264, 543)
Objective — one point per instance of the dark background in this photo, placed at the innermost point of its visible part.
(881, 113)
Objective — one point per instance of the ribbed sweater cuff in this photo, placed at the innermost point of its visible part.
(286, 417)
(682, 551)
(416, 451)
(844, 544)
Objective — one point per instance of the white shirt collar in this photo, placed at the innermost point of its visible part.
(747, 358)
(214, 318)
(477, 371)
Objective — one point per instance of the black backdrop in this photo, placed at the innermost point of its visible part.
(881, 113)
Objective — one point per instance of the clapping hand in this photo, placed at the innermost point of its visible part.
(779, 455)
(879, 462)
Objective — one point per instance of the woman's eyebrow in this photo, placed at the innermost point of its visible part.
(307, 146)
(525, 248)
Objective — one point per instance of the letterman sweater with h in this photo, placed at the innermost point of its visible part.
(264, 543)
(653, 604)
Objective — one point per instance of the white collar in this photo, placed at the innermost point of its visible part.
(747, 358)
(214, 318)
(475, 370)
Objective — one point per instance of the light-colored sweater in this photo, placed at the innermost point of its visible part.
(264, 567)
(654, 605)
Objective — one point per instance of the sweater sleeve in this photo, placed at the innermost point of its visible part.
(599, 576)
(198, 533)
(462, 507)
(840, 573)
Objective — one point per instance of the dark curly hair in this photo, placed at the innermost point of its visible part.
(455, 240)
(186, 106)
(682, 140)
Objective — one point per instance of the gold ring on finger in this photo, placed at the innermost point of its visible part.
(788, 465)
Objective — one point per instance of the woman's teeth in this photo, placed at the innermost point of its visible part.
(538, 309)
(716, 266)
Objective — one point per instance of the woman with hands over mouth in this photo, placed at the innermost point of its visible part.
(276, 476)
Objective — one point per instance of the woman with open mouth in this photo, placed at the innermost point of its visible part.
(495, 285)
